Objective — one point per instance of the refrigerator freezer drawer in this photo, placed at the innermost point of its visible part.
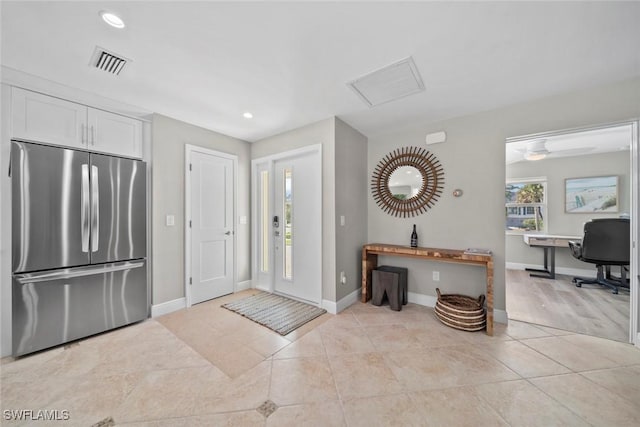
(54, 307)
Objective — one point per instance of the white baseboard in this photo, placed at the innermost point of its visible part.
(262, 288)
(499, 316)
(421, 299)
(350, 299)
(335, 308)
(168, 307)
(330, 306)
(559, 270)
(638, 340)
(242, 286)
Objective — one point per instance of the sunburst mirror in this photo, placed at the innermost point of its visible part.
(407, 182)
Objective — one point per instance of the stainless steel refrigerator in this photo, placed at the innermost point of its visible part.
(79, 246)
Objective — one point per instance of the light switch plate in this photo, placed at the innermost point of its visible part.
(171, 220)
(243, 219)
(342, 220)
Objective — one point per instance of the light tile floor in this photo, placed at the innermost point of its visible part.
(367, 366)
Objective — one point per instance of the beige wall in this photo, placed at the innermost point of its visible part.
(351, 201)
(560, 222)
(322, 132)
(473, 158)
(168, 154)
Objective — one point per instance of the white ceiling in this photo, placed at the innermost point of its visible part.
(288, 63)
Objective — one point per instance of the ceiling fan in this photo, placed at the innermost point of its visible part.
(537, 150)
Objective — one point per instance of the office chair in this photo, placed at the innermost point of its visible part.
(605, 244)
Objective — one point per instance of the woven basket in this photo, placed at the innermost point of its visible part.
(461, 312)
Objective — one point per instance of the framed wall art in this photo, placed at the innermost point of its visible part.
(597, 194)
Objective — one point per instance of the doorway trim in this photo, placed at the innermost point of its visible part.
(634, 273)
(634, 187)
(188, 150)
(255, 186)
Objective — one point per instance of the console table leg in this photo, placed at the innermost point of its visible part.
(369, 263)
(490, 298)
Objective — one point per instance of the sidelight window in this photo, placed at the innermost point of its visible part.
(265, 226)
(288, 224)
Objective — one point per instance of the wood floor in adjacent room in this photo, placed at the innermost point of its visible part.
(591, 310)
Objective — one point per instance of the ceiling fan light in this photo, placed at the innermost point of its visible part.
(534, 156)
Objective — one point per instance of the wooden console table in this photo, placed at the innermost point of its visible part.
(371, 251)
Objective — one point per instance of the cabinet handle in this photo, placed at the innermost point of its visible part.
(93, 136)
(82, 133)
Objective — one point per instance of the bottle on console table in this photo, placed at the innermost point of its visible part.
(414, 237)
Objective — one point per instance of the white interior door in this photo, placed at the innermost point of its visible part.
(212, 230)
(298, 231)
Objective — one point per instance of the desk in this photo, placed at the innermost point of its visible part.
(371, 251)
(549, 243)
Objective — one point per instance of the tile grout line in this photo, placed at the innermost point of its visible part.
(572, 372)
(269, 388)
(599, 355)
(557, 401)
(326, 355)
(633, 403)
(548, 357)
(527, 379)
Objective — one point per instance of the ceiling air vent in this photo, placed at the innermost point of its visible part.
(389, 83)
(108, 61)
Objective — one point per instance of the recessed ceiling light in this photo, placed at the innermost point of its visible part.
(112, 19)
(248, 115)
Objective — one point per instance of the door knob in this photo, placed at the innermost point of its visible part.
(228, 233)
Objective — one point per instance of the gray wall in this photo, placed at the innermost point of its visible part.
(473, 158)
(560, 222)
(351, 201)
(322, 132)
(168, 153)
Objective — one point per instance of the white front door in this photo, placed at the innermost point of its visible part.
(212, 230)
(297, 234)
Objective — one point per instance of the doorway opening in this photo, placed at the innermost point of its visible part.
(555, 183)
(287, 223)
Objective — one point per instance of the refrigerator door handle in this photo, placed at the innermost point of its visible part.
(84, 206)
(75, 272)
(95, 209)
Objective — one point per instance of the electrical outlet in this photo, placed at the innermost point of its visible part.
(171, 220)
(436, 276)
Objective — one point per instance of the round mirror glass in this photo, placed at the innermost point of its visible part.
(405, 182)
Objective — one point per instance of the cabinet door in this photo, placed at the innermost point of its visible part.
(42, 118)
(115, 134)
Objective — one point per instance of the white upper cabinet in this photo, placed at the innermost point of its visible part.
(42, 118)
(113, 133)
